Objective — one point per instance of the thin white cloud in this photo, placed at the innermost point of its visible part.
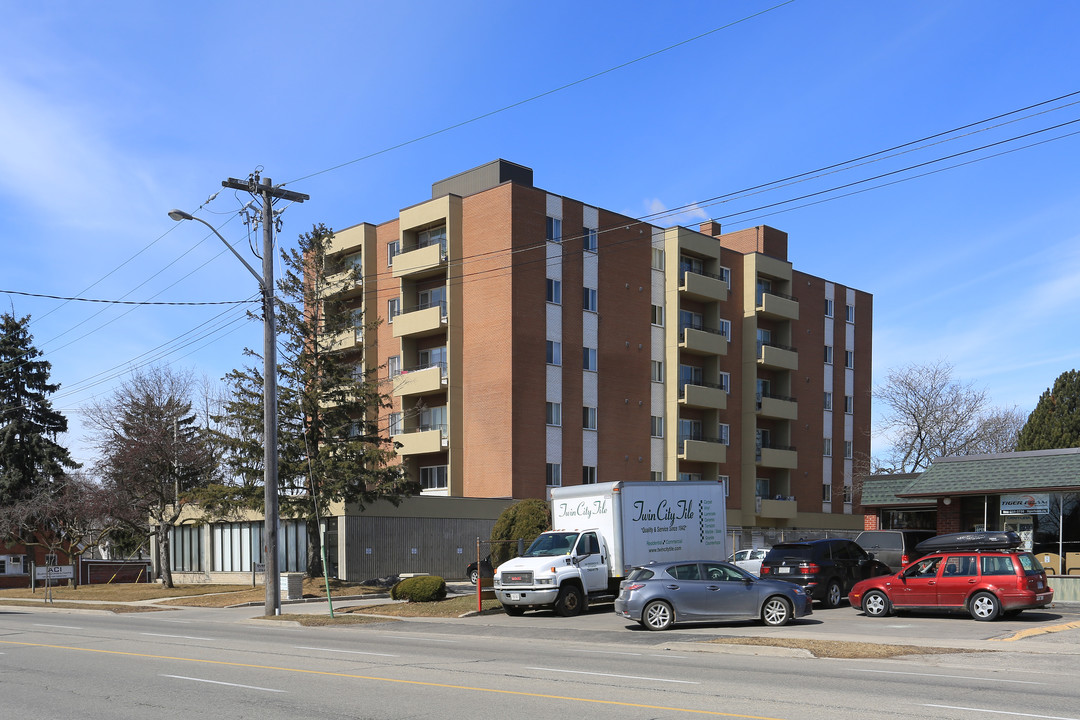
(690, 215)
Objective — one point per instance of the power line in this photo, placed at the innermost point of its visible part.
(121, 302)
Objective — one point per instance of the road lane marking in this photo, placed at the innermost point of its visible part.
(605, 652)
(218, 682)
(1001, 712)
(182, 637)
(414, 683)
(951, 677)
(624, 677)
(413, 637)
(62, 627)
(351, 652)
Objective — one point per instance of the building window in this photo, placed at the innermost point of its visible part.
(554, 229)
(828, 307)
(393, 248)
(725, 275)
(848, 494)
(393, 425)
(826, 492)
(689, 477)
(849, 404)
(724, 435)
(847, 449)
(849, 359)
(850, 313)
(393, 365)
(656, 476)
(554, 291)
(725, 481)
(725, 382)
(588, 239)
(554, 353)
(588, 356)
(827, 452)
(828, 354)
(553, 473)
(554, 413)
(657, 315)
(588, 301)
(588, 475)
(393, 308)
(657, 426)
(658, 371)
(658, 258)
(725, 328)
(588, 418)
(432, 236)
(433, 477)
(828, 401)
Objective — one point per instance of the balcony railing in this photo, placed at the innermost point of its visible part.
(425, 306)
(702, 328)
(761, 294)
(770, 343)
(418, 368)
(698, 383)
(714, 276)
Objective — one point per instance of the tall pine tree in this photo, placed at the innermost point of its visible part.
(1055, 421)
(30, 456)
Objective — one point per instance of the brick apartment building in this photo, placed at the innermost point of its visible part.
(530, 340)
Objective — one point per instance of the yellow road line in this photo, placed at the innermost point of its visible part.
(390, 680)
(1031, 632)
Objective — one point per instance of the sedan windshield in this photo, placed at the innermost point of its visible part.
(552, 544)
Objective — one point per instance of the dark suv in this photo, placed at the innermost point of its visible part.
(895, 548)
(828, 569)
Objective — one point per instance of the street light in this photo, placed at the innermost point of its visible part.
(270, 455)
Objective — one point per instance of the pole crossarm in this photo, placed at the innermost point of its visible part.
(255, 189)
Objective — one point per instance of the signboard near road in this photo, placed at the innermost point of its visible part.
(1025, 504)
(54, 572)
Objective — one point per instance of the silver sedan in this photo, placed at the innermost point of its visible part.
(658, 595)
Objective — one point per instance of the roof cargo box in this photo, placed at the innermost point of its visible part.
(969, 541)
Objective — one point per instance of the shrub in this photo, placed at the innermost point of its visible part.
(424, 588)
(524, 520)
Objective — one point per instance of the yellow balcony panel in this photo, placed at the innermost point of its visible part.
(777, 509)
(419, 262)
(343, 284)
(778, 308)
(700, 396)
(420, 443)
(780, 408)
(703, 451)
(419, 323)
(704, 288)
(778, 458)
(703, 342)
(347, 340)
(778, 358)
(419, 382)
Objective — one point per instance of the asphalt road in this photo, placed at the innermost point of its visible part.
(197, 663)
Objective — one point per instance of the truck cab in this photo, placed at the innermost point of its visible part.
(561, 569)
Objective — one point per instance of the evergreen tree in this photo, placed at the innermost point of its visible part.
(1055, 421)
(521, 521)
(330, 447)
(30, 456)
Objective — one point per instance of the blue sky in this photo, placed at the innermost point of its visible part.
(113, 113)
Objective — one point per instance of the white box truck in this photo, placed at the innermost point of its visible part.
(599, 532)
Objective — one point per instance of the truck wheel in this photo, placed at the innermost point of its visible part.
(984, 606)
(833, 594)
(513, 610)
(657, 615)
(876, 604)
(776, 611)
(570, 601)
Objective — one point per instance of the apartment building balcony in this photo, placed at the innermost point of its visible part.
(421, 440)
(699, 394)
(777, 357)
(421, 321)
(701, 340)
(701, 449)
(778, 456)
(782, 509)
(348, 340)
(777, 406)
(777, 306)
(344, 284)
(702, 286)
(420, 381)
(421, 261)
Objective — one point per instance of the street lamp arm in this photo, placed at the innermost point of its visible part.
(181, 215)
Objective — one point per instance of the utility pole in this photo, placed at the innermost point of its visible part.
(268, 193)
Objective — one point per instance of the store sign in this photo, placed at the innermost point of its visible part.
(54, 572)
(1025, 504)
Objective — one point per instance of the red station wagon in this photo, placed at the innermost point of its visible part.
(987, 583)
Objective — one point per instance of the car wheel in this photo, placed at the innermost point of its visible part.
(513, 610)
(776, 611)
(570, 601)
(876, 604)
(473, 575)
(657, 615)
(984, 606)
(833, 594)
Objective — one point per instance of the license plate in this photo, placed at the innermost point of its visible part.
(515, 596)
(784, 570)
(1040, 598)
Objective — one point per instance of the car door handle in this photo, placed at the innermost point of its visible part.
(712, 587)
(672, 587)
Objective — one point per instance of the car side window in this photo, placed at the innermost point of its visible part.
(589, 544)
(721, 572)
(684, 572)
(997, 565)
(960, 566)
(923, 568)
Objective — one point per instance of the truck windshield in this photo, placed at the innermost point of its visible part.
(551, 544)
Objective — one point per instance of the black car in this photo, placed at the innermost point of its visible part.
(828, 569)
(895, 548)
(485, 570)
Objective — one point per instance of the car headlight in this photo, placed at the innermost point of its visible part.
(799, 590)
(545, 581)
